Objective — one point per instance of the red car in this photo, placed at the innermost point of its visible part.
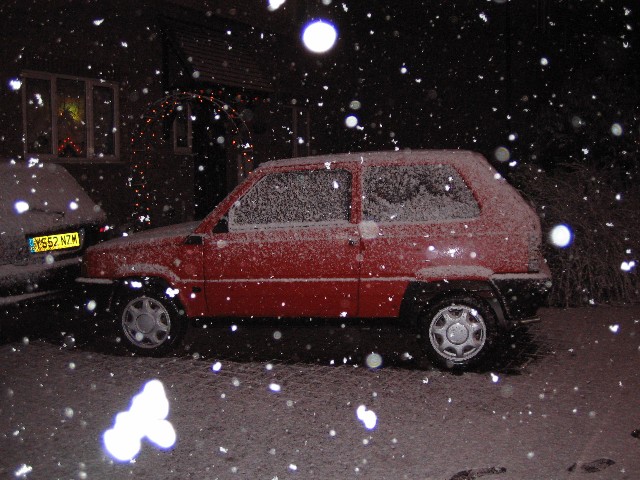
(436, 238)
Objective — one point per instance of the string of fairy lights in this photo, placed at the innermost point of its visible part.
(147, 138)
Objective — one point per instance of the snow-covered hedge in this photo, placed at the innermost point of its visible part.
(603, 214)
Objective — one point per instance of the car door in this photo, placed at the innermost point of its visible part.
(289, 249)
(416, 218)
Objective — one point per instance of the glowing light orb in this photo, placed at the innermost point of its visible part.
(502, 154)
(561, 236)
(145, 418)
(367, 417)
(275, 4)
(15, 84)
(21, 206)
(351, 121)
(319, 36)
(616, 129)
(374, 360)
(627, 266)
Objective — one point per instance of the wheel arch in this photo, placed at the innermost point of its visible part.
(125, 287)
(420, 295)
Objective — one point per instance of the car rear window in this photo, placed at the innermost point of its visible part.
(416, 193)
(295, 198)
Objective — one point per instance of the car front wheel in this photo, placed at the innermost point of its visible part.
(150, 324)
(458, 332)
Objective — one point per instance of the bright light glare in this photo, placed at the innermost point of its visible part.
(21, 206)
(374, 360)
(561, 236)
(145, 418)
(319, 36)
(23, 470)
(275, 4)
(162, 434)
(616, 129)
(15, 84)
(367, 417)
(627, 266)
(502, 154)
(122, 444)
(351, 121)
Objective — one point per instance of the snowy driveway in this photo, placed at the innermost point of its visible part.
(566, 407)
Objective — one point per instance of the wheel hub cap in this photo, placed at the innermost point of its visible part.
(145, 323)
(457, 334)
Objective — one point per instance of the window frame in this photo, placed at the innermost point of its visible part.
(89, 84)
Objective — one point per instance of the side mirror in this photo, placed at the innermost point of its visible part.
(222, 226)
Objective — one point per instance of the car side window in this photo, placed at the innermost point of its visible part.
(294, 198)
(416, 193)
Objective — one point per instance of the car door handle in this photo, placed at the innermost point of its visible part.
(353, 242)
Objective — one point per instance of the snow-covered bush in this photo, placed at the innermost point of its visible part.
(599, 264)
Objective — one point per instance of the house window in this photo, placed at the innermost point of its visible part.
(182, 141)
(68, 117)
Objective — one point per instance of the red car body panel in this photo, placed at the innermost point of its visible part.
(351, 267)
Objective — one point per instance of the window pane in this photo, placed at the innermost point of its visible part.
(416, 193)
(38, 114)
(296, 198)
(103, 121)
(72, 130)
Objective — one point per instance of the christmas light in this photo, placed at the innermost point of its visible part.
(165, 109)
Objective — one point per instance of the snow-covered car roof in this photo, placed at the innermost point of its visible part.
(385, 156)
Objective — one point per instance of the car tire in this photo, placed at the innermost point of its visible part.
(151, 324)
(458, 332)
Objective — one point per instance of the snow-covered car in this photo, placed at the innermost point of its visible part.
(46, 222)
(436, 239)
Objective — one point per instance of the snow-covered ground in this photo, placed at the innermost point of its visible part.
(283, 402)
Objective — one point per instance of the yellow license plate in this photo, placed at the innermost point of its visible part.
(59, 241)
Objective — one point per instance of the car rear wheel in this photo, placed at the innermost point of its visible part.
(151, 324)
(458, 332)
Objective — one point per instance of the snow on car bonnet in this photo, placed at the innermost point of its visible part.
(42, 198)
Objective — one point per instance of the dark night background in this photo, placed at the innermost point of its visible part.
(475, 76)
(547, 90)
